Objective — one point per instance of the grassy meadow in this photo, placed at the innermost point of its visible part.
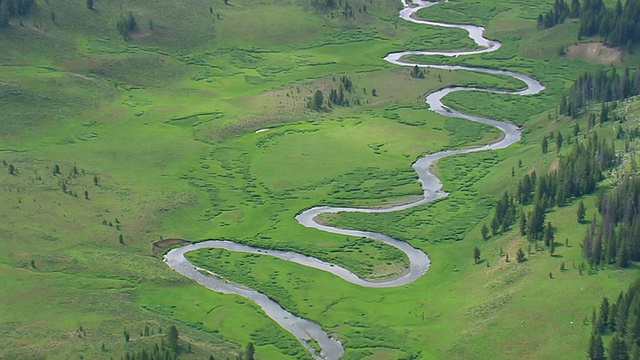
(117, 144)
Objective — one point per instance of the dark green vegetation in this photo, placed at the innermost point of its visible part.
(600, 87)
(109, 145)
(617, 25)
(619, 322)
(616, 240)
(14, 8)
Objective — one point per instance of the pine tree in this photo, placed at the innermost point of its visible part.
(559, 141)
(484, 231)
(495, 225)
(523, 223)
(249, 352)
(617, 349)
(317, 101)
(172, 338)
(476, 254)
(596, 348)
(581, 213)
(548, 235)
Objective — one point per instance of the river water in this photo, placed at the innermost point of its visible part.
(304, 329)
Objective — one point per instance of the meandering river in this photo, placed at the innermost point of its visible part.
(303, 329)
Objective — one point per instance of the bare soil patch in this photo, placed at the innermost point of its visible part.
(165, 243)
(595, 52)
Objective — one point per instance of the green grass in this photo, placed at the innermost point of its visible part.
(167, 123)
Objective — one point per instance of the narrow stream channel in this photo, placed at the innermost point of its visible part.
(303, 329)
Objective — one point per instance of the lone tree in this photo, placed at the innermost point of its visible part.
(11, 169)
(559, 141)
(544, 145)
(476, 254)
(548, 235)
(90, 4)
(317, 101)
(582, 212)
(172, 338)
(520, 257)
(249, 352)
(484, 231)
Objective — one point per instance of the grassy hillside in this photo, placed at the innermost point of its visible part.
(155, 137)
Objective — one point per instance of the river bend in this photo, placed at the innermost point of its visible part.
(303, 329)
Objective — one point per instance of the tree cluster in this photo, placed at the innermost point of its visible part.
(577, 175)
(13, 8)
(617, 239)
(126, 25)
(337, 96)
(620, 320)
(619, 26)
(560, 12)
(417, 72)
(505, 214)
(601, 86)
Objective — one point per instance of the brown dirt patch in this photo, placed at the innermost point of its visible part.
(165, 243)
(595, 52)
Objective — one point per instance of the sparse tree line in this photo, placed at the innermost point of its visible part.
(63, 182)
(17, 8)
(171, 347)
(66, 183)
(601, 86)
(168, 348)
(619, 26)
(620, 321)
(344, 95)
